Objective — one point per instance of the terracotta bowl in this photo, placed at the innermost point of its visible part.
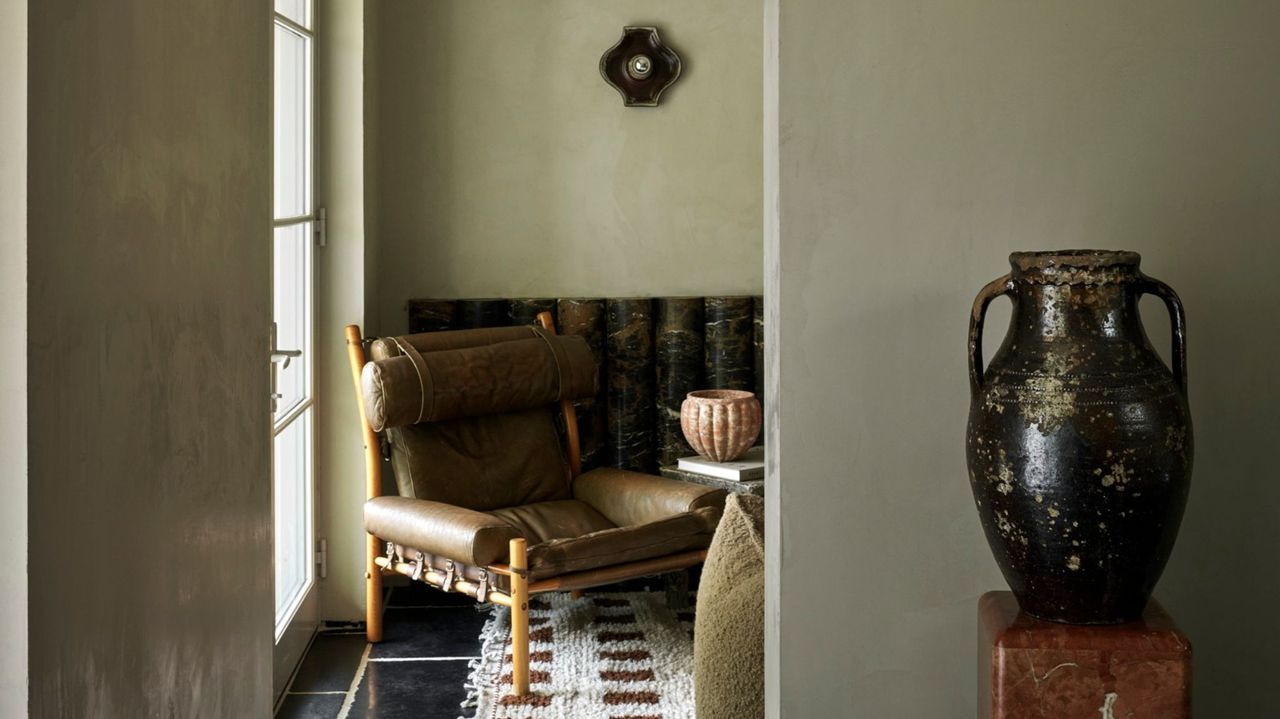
(720, 424)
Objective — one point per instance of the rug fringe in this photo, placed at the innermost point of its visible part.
(489, 663)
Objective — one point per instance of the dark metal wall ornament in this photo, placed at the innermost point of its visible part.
(640, 67)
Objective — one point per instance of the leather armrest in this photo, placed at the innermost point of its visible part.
(631, 498)
(461, 534)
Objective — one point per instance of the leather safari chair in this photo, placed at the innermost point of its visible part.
(491, 501)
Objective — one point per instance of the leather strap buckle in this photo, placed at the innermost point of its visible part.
(482, 591)
(448, 576)
(417, 569)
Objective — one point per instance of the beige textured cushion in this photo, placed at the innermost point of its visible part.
(728, 639)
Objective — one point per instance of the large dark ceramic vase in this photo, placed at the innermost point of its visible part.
(1079, 441)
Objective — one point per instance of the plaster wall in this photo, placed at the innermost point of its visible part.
(13, 364)
(340, 301)
(505, 166)
(922, 142)
(149, 315)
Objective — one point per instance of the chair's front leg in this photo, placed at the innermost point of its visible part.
(519, 618)
(372, 592)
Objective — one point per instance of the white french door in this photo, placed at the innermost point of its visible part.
(296, 615)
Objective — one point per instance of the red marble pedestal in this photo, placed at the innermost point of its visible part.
(1033, 669)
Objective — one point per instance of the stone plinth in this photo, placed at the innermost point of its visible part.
(1029, 668)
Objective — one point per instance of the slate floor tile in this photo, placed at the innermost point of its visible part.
(411, 690)
(446, 632)
(417, 594)
(330, 663)
(311, 706)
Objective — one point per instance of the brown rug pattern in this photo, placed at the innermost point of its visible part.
(604, 656)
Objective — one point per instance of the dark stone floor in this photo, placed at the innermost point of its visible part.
(417, 671)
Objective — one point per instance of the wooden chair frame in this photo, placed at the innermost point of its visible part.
(380, 564)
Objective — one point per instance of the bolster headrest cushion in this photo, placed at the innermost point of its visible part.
(414, 386)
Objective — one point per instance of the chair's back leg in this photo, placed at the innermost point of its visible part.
(519, 618)
(373, 488)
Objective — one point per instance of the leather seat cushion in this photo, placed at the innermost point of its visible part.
(564, 536)
(606, 545)
(545, 521)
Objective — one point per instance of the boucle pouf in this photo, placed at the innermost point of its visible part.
(728, 639)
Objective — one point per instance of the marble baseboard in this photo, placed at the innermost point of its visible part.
(629, 373)
(585, 318)
(730, 350)
(679, 359)
(651, 353)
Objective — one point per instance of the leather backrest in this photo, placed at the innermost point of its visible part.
(488, 437)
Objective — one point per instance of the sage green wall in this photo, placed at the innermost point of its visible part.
(921, 143)
(150, 236)
(13, 365)
(340, 301)
(505, 166)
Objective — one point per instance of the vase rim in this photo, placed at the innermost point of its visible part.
(1079, 258)
(723, 395)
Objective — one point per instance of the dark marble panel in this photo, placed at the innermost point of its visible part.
(585, 317)
(469, 314)
(524, 311)
(312, 706)
(757, 321)
(678, 350)
(730, 355)
(411, 690)
(445, 632)
(431, 315)
(630, 377)
(330, 663)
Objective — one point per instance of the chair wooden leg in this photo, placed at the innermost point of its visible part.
(519, 619)
(373, 593)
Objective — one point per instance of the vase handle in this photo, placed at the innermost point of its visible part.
(994, 289)
(1178, 323)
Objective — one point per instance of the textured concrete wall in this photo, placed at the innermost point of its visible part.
(507, 167)
(150, 238)
(922, 142)
(13, 365)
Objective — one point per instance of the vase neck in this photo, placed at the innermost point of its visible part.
(1045, 313)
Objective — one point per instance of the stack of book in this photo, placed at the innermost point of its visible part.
(748, 467)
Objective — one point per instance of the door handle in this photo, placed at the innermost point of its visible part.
(279, 360)
(284, 356)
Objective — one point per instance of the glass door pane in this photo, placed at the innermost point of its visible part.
(296, 615)
(291, 272)
(294, 570)
(292, 123)
(298, 11)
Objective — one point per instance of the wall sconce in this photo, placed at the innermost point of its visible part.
(640, 66)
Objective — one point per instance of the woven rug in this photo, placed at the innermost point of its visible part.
(603, 656)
